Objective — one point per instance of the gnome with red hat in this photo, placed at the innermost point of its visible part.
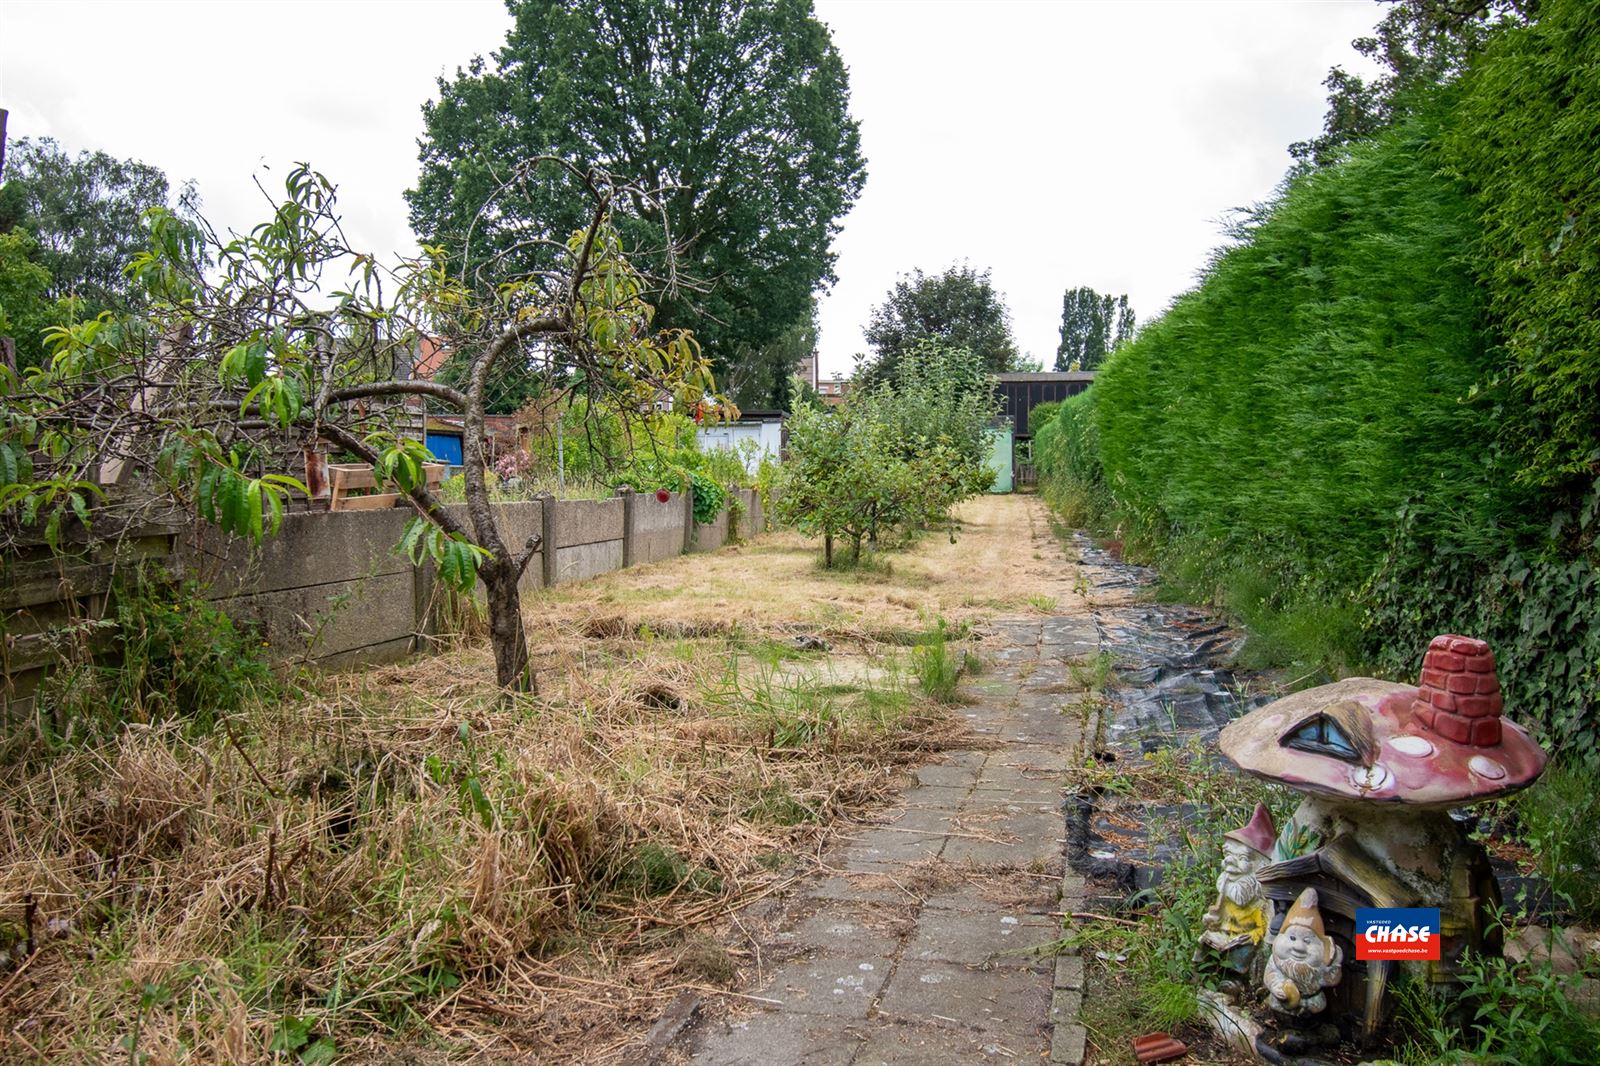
(1237, 921)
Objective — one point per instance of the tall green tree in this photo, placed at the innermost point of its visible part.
(959, 308)
(737, 112)
(26, 309)
(85, 214)
(1092, 325)
(765, 377)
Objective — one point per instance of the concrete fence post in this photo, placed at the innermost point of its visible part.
(629, 502)
(547, 531)
(688, 519)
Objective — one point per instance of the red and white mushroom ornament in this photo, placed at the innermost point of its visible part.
(1444, 742)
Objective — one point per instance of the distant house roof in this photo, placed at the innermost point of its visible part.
(431, 355)
(500, 428)
(751, 414)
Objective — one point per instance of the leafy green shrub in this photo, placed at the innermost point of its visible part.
(1567, 847)
(1514, 1013)
(1041, 415)
(171, 654)
(1538, 606)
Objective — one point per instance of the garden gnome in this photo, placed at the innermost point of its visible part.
(1237, 921)
(1304, 961)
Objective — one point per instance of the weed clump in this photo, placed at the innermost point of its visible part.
(939, 664)
(163, 652)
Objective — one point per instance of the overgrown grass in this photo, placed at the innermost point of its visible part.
(938, 663)
(1139, 960)
(1094, 674)
(396, 860)
(162, 653)
(1558, 826)
(1506, 1012)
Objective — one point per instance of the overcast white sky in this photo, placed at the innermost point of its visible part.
(1058, 144)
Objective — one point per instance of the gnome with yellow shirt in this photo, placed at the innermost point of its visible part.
(1237, 922)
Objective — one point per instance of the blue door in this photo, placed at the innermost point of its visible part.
(446, 447)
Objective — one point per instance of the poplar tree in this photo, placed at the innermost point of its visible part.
(1092, 325)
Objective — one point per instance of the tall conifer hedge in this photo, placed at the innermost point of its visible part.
(1386, 392)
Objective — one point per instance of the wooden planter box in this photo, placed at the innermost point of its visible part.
(346, 478)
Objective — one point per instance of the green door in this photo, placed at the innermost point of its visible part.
(1000, 458)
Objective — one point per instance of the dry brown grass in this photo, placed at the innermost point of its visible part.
(395, 862)
(990, 569)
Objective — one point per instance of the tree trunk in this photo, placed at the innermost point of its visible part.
(499, 573)
(506, 633)
(827, 551)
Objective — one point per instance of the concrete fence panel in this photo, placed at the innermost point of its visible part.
(330, 588)
(657, 531)
(588, 538)
(709, 536)
(753, 522)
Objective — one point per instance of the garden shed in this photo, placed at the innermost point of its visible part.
(764, 428)
(1019, 394)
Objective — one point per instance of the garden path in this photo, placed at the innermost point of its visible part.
(910, 942)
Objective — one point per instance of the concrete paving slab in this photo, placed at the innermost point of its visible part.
(1022, 840)
(1023, 786)
(990, 805)
(923, 819)
(1014, 891)
(840, 987)
(996, 938)
(1069, 631)
(954, 777)
(1034, 763)
(838, 928)
(871, 887)
(778, 1039)
(887, 845)
(938, 1045)
(999, 1003)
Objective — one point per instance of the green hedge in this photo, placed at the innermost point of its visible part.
(1383, 400)
(1526, 135)
(1319, 376)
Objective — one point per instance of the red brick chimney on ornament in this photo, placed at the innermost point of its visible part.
(1459, 694)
